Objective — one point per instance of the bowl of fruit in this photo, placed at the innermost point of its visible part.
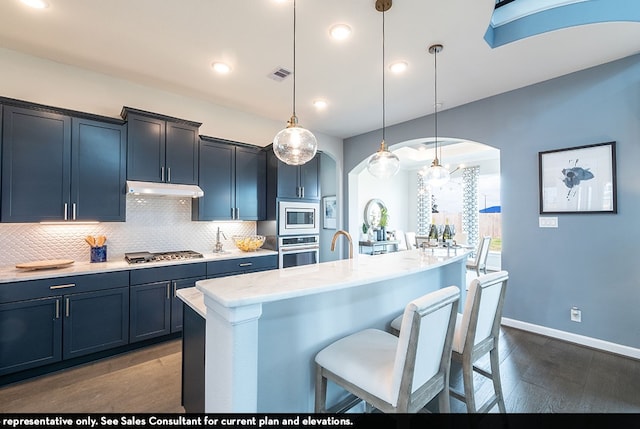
(248, 243)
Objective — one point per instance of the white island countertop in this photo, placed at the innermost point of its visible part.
(275, 285)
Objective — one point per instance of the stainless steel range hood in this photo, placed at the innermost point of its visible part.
(166, 189)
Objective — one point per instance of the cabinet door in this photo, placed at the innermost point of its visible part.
(288, 181)
(145, 148)
(177, 304)
(95, 321)
(150, 311)
(310, 179)
(31, 334)
(98, 171)
(217, 172)
(36, 158)
(250, 183)
(181, 154)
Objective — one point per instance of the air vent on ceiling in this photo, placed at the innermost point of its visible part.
(279, 74)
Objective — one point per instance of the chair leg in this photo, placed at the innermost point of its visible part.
(321, 392)
(444, 403)
(467, 379)
(495, 377)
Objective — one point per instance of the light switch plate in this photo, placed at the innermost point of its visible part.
(548, 222)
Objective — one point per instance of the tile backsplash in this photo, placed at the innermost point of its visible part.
(154, 224)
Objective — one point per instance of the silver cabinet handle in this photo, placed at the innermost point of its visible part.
(168, 174)
(67, 307)
(162, 174)
(73, 211)
(168, 290)
(245, 264)
(302, 191)
(66, 209)
(57, 308)
(237, 213)
(175, 289)
(62, 286)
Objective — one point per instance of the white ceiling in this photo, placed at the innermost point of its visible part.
(170, 44)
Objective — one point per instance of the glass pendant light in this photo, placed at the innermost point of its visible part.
(383, 164)
(436, 174)
(294, 145)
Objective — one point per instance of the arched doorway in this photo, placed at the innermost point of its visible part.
(476, 175)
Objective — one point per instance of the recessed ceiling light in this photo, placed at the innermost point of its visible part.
(398, 67)
(36, 4)
(320, 104)
(340, 31)
(221, 68)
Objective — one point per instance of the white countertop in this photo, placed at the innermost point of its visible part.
(12, 274)
(274, 285)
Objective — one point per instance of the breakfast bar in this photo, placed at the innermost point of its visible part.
(263, 330)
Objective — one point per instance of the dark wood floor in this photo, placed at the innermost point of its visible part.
(539, 375)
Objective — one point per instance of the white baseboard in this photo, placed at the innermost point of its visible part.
(574, 338)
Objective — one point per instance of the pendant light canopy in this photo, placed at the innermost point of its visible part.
(436, 174)
(383, 164)
(294, 145)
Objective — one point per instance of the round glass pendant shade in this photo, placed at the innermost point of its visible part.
(437, 175)
(295, 145)
(383, 164)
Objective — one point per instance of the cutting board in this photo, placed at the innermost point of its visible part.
(46, 264)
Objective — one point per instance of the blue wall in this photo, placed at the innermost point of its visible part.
(589, 260)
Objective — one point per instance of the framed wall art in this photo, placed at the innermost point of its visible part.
(329, 212)
(578, 180)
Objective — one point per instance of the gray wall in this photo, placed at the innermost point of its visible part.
(588, 260)
(329, 187)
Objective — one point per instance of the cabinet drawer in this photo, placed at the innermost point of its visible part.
(241, 265)
(30, 289)
(158, 274)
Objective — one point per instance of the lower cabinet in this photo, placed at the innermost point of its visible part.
(229, 267)
(155, 310)
(95, 321)
(31, 334)
(46, 321)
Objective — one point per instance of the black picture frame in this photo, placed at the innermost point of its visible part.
(579, 179)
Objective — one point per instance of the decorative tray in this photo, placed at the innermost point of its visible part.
(46, 264)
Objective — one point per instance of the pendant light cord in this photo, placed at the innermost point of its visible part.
(383, 89)
(294, 58)
(435, 97)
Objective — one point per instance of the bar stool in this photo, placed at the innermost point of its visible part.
(380, 368)
(477, 333)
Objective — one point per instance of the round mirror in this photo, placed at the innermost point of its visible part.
(372, 212)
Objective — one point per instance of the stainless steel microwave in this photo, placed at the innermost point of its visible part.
(298, 218)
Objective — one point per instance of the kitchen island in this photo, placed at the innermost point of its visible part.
(263, 330)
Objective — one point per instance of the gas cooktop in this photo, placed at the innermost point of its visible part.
(142, 257)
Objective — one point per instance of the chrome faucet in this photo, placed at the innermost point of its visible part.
(218, 246)
(348, 237)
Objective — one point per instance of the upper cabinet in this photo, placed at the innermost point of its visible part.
(292, 181)
(232, 176)
(161, 148)
(58, 167)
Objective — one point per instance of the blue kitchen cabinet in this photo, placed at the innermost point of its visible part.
(292, 181)
(250, 264)
(155, 310)
(232, 176)
(57, 167)
(95, 321)
(30, 334)
(47, 321)
(161, 148)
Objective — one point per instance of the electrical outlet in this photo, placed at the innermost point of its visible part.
(576, 314)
